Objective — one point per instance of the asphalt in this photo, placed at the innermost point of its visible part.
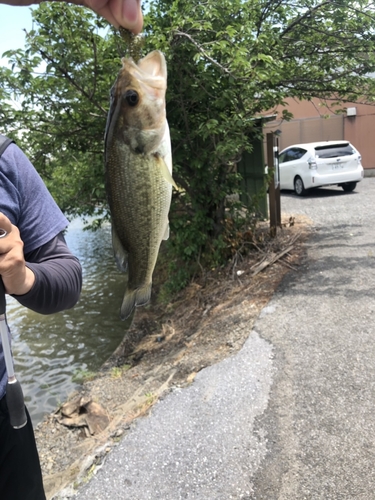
(291, 416)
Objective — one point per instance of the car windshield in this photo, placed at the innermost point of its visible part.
(335, 150)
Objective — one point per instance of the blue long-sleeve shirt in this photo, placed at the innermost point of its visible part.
(25, 200)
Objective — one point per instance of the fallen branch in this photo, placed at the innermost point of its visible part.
(271, 259)
(286, 264)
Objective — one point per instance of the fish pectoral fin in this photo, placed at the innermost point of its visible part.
(166, 234)
(135, 298)
(121, 256)
(166, 173)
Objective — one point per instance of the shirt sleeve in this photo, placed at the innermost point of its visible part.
(26, 201)
(58, 278)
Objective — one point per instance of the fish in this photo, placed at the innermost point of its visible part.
(138, 173)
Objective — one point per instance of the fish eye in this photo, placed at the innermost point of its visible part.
(131, 97)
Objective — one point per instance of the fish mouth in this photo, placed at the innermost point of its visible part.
(151, 70)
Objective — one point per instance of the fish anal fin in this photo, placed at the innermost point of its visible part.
(120, 253)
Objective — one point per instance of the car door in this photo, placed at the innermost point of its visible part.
(290, 163)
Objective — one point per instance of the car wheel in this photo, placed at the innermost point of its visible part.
(299, 188)
(348, 187)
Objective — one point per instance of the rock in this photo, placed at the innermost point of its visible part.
(83, 412)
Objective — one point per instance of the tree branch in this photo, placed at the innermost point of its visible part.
(66, 75)
(202, 51)
(304, 16)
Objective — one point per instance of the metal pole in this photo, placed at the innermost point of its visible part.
(277, 187)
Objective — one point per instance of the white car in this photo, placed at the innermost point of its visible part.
(316, 164)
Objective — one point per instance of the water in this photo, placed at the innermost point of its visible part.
(50, 350)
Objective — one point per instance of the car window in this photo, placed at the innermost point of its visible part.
(335, 150)
(291, 154)
(284, 157)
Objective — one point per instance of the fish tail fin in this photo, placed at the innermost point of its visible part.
(143, 295)
(128, 303)
(135, 298)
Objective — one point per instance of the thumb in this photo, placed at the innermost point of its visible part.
(5, 225)
(128, 14)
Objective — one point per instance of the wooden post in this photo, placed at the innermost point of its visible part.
(274, 187)
(271, 188)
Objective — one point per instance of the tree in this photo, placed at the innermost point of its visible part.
(228, 61)
(60, 84)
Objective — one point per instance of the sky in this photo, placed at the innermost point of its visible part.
(12, 22)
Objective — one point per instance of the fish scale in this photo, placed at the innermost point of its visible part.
(143, 181)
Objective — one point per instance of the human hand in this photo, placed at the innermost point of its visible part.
(125, 13)
(17, 278)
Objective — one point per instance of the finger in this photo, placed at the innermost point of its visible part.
(5, 223)
(107, 14)
(11, 241)
(127, 14)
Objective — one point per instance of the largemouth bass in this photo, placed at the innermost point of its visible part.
(138, 166)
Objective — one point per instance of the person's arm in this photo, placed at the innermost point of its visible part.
(58, 278)
(125, 13)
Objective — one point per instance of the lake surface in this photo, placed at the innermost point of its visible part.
(50, 350)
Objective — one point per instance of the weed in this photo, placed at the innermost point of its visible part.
(151, 398)
(82, 376)
(118, 371)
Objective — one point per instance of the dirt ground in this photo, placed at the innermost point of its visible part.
(165, 347)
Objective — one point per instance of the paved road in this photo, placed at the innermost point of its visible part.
(292, 415)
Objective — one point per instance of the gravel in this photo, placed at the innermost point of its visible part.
(290, 416)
